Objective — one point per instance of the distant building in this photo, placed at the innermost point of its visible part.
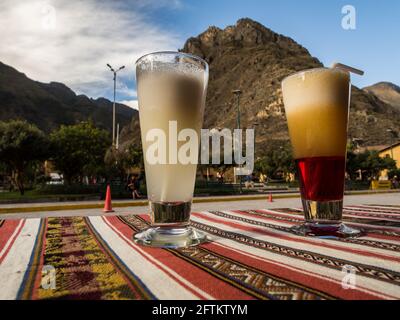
(392, 151)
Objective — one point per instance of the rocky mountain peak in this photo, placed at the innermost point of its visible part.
(385, 86)
(387, 92)
(246, 33)
(49, 105)
(250, 57)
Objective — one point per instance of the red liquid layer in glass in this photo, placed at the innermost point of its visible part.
(321, 178)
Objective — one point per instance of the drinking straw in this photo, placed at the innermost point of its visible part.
(344, 67)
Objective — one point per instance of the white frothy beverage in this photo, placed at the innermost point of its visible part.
(171, 89)
(165, 97)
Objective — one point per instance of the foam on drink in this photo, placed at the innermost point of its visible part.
(317, 117)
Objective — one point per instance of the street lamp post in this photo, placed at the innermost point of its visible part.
(115, 88)
(256, 125)
(237, 94)
(117, 138)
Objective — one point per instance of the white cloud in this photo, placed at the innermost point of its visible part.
(131, 103)
(71, 41)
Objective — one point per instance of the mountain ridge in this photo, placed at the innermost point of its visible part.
(388, 92)
(49, 105)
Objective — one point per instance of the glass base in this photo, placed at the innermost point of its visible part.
(326, 231)
(172, 238)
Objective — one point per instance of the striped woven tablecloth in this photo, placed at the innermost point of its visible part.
(252, 256)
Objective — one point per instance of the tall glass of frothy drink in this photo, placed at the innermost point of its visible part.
(171, 89)
(317, 109)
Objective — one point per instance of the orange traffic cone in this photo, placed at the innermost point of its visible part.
(270, 198)
(107, 203)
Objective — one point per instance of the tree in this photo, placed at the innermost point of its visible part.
(120, 161)
(21, 146)
(79, 150)
(394, 173)
(370, 164)
(135, 156)
(277, 162)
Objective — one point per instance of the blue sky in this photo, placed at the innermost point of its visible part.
(316, 24)
(88, 34)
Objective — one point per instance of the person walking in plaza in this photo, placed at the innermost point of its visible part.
(134, 186)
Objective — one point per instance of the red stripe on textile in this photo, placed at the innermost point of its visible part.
(295, 238)
(289, 272)
(8, 232)
(145, 217)
(196, 276)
